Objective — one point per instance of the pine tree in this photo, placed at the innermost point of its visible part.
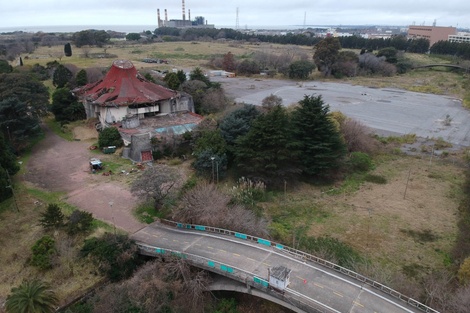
(33, 296)
(81, 79)
(316, 137)
(264, 152)
(52, 217)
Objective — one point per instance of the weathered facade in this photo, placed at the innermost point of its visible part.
(123, 93)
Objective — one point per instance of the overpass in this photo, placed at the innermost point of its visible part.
(466, 69)
(315, 285)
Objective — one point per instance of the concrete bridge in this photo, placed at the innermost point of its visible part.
(466, 69)
(315, 285)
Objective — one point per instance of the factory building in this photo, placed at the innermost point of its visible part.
(432, 33)
(198, 22)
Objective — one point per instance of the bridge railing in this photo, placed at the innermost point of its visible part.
(306, 257)
(238, 274)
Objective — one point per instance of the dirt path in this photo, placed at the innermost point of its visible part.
(61, 166)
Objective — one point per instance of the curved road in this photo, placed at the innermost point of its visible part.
(309, 282)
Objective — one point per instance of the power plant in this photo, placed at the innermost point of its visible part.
(199, 21)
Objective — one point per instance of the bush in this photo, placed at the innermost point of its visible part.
(43, 250)
(110, 136)
(360, 161)
(52, 217)
(79, 222)
(115, 255)
(376, 179)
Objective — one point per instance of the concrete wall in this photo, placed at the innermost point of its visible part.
(139, 143)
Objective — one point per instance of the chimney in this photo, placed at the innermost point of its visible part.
(159, 21)
(184, 16)
(189, 15)
(166, 18)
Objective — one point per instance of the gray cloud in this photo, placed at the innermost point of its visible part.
(223, 13)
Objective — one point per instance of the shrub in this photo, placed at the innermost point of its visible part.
(110, 137)
(360, 161)
(115, 255)
(52, 217)
(79, 222)
(376, 179)
(43, 250)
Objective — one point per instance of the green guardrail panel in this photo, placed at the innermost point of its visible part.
(211, 264)
(260, 281)
(242, 236)
(229, 270)
(179, 225)
(223, 267)
(160, 251)
(198, 227)
(188, 226)
(279, 246)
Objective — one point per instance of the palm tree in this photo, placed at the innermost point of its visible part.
(31, 297)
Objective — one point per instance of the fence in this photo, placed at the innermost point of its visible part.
(306, 257)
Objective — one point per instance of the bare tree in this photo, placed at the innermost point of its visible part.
(207, 205)
(461, 300)
(156, 183)
(357, 136)
(271, 101)
(438, 289)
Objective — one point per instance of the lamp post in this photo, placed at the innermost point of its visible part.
(213, 174)
(112, 216)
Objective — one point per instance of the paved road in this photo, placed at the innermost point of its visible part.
(386, 110)
(312, 282)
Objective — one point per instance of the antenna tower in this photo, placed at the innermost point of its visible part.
(237, 22)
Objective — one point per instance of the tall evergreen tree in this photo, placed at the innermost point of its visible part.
(68, 49)
(316, 137)
(62, 76)
(81, 79)
(264, 152)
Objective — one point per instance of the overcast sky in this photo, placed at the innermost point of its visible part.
(14, 13)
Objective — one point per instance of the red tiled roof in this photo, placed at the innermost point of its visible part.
(123, 86)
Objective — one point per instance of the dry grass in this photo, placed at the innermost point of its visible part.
(376, 218)
(181, 55)
(18, 233)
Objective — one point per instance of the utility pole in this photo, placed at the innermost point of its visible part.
(12, 190)
(213, 172)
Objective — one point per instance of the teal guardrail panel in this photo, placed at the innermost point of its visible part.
(179, 225)
(279, 246)
(160, 251)
(211, 264)
(264, 242)
(242, 236)
(188, 226)
(260, 281)
(226, 268)
(198, 227)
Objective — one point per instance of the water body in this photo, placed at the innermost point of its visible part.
(136, 28)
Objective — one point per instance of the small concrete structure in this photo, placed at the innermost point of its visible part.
(279, 277)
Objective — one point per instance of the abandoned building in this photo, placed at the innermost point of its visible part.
(138, 108)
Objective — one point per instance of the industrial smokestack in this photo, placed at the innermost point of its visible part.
(189, 14)
(159, 21)
(184, 16)
(166, 17)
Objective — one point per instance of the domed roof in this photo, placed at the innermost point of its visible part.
(123, 86)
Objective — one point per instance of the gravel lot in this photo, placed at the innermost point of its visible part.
(386, 110)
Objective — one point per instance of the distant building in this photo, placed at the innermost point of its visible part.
(461, 37)
(279, 277)
(432, 33)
